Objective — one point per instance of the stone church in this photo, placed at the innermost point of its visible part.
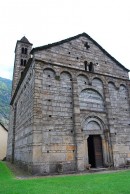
(70, 107)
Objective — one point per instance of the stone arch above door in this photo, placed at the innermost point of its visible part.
(93, 125)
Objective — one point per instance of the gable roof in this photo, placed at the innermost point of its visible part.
(3, 127)
(73, 38)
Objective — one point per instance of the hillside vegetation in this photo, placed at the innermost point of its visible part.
(5, 96)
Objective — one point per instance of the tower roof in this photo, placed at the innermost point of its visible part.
(25, 40)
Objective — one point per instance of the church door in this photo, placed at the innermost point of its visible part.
(95, 151)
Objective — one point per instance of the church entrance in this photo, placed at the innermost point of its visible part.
(95, 154)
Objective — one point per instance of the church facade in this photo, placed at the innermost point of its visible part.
(70, 107)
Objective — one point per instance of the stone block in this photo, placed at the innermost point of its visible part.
(37, 153)
(56, 139)
(37, 137)
(57, 157)
(70, 147)
(69, 156)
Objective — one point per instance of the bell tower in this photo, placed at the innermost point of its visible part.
(22, 54)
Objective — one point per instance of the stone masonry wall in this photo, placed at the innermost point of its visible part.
(21, 128)
(59, 104)
(74, 54)
(55, 119)
(120, 115)
(18, 68)
(10, 134)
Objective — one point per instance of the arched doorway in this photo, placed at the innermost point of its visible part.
(95, 153)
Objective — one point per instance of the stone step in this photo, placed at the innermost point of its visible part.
(93, 170)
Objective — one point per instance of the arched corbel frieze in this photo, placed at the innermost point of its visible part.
(67, 73)
(84, 74)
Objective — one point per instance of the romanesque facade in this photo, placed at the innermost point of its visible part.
(70, 107)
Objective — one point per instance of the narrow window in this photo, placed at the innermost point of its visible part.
(85, 65)
(25, 51)
(91, 67)
(22, 50)
(21, 61)
(24, 62)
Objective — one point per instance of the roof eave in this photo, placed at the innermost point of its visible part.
(21, 80)
(4, 127)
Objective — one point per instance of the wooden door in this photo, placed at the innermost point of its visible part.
(98, 151)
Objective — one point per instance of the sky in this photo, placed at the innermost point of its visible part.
(48, 21)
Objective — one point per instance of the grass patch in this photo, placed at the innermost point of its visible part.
(110, 183)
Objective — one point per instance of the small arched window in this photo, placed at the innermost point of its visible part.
(21, 61)
(24, 62)
(25, 51)
(22, 50)
(91, 67)
(86, 65)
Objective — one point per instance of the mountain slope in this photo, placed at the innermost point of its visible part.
(5, 95)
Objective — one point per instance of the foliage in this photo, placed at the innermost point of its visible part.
(5, 95)
(57, 77)
(108, 183)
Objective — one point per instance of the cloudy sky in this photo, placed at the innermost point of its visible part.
(48, 21)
